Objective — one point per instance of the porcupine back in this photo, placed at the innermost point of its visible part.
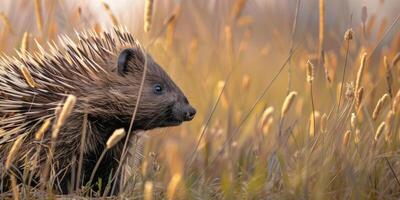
(66, 68)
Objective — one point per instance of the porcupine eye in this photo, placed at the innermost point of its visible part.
(158, 89)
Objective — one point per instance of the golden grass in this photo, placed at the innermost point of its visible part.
(38, 15)
(63, 115)
(380, 130)
(310, 71)
(288, 103)
(172, 186)
(359, 97)
(266, 116)
(237, 9)
(115, 138)
(364, 17)
(148, 12)
(360, 71)
(6, 22)
(117, 135)
(42, 130)
(231, 59)
(171, 25)
(15, 190)
(321, 29)
(324, 123)
(110, 13)
(25, 42)
(148, 191)
(380, 105)
(346, 138)
(12, 156)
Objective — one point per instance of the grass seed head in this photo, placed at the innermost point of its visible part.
(173, 185)
(288, 103)
(117, 135)
(359, 97)
(346, 138)
(267, 126)
(42, 130)
(349, 34)
(310, 71)
(13, 152)
(364, 14)
(349, 93)
(110, 13)
(14, 187)
(148, 12)
(389, 77)
(266, 115)
(380, 130)
(148, 190)
(353, 121)
(237, 9)
(246, 82)
(171, 24)
(379, 106)
(324, 123)
(38, 15)
(6, 22)
(63, 115)
(357, 136)
(360, 71)
(321, 25)
(25, 42)
(221, 90)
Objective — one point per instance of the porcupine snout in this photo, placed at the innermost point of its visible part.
(189, 113)
(183, 111)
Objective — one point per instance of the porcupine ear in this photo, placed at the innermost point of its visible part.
(130, 60)
(123, 61)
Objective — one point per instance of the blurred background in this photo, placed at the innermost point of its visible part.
(238, 46)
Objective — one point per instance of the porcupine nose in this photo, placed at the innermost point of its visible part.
(190, 113)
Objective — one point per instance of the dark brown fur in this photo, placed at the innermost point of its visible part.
(104, 72)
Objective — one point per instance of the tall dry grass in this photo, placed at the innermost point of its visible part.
(230, 58)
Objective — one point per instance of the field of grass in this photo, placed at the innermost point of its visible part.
(296, 99)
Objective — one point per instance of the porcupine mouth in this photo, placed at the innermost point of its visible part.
(171, 122)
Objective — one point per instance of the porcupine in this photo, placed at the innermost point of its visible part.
(104, 72)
